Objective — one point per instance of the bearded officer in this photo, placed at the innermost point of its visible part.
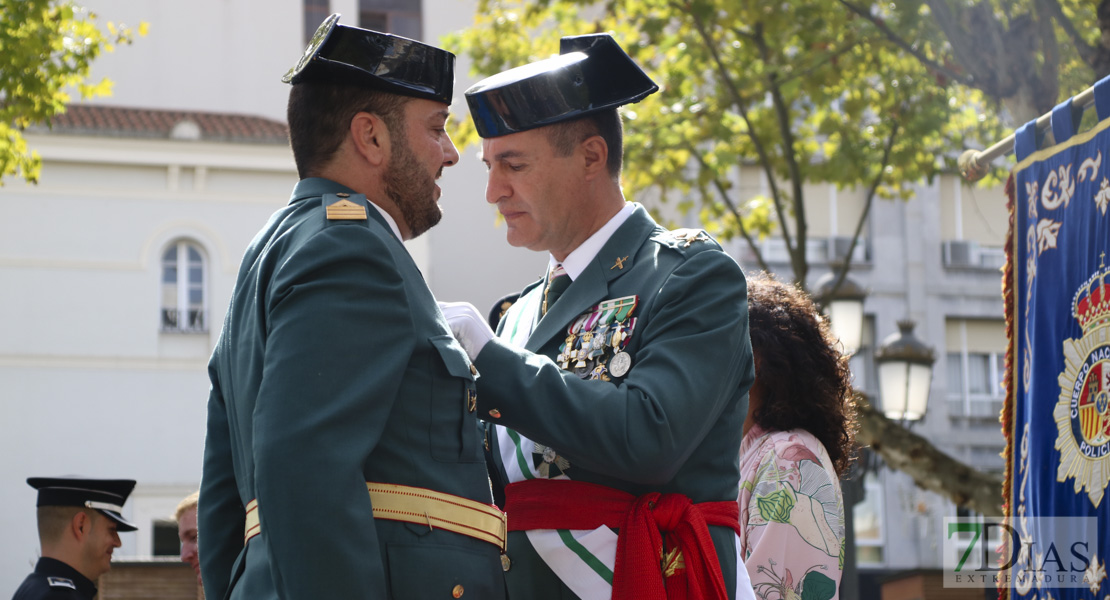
(343, 456)
(79, 521)
(619, 383)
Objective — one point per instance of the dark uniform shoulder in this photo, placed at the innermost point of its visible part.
(500, 308)
(686, 241)
(54, 580)
(43, 587)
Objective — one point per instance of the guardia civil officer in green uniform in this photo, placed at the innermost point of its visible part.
(619, 382)
(343, 458)
(79, 521)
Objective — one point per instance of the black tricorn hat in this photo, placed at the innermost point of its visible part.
(381, 61)
(106, 496)
(591, 73)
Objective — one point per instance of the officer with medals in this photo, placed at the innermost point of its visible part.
(618, 384)
(343, 458)
(79, 522)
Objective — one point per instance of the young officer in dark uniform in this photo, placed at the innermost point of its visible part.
(78, 521)
(619, 382)
(343, 458)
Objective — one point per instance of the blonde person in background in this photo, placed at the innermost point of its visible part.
(186, 517)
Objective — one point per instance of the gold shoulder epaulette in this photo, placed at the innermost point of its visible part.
(343, 209)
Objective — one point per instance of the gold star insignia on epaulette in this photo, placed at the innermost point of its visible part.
(619, 264)
(690, 236)
(345, 210)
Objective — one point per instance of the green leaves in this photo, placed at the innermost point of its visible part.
(806, 90)
(48, 47)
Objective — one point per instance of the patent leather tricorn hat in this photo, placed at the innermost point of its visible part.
(340, 54)
(592, 73)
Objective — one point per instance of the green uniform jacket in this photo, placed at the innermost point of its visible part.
(673, 423)
(336, 367)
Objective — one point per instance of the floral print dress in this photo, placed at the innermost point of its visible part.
(792, 516)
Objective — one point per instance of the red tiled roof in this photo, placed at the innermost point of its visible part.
(113, 121)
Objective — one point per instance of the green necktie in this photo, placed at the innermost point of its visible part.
(557, 282)
(543, 456)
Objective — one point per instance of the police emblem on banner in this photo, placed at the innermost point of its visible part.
(1083, 411)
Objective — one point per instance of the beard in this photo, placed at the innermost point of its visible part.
(412, 189)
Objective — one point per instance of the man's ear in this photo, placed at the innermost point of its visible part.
(80, 525)
(370, 137)
(596, 153)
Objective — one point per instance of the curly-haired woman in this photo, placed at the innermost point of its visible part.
(798, 438)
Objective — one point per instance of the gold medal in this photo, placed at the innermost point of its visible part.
(584, 350)
(568, 352)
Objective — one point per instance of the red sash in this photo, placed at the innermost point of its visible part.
(642, 522)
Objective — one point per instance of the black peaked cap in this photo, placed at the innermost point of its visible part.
(106, 496)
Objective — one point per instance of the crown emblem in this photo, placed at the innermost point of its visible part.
(1091, 306)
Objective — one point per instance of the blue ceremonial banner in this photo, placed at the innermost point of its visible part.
(1057, 414)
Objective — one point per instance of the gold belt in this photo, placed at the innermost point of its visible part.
(422, 506)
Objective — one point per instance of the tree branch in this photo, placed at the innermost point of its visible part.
(732, 208)
(929, 468)
(1086, 51)
(738, 102)
(1050, 47)
(908, 48)
(848, 46)
(842, 270)
(782, 113)
(744, 34)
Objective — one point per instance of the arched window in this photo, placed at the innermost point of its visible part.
(399, 17)
(315, 11)
(184, 296)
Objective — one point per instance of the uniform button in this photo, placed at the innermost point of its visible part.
(457, 591)
(506, 564)
(493, 412)
(473, 370)
(343, 195)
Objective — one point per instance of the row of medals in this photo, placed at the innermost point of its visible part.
(604, 329)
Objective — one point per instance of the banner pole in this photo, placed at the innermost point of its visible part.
(973, 164)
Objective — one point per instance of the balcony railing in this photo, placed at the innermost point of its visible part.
(818, 250)
(193, 320)
(976, 407)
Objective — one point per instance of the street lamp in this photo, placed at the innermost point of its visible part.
(905, 373)
(844, 308)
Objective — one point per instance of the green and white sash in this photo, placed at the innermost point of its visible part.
(582, 559)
